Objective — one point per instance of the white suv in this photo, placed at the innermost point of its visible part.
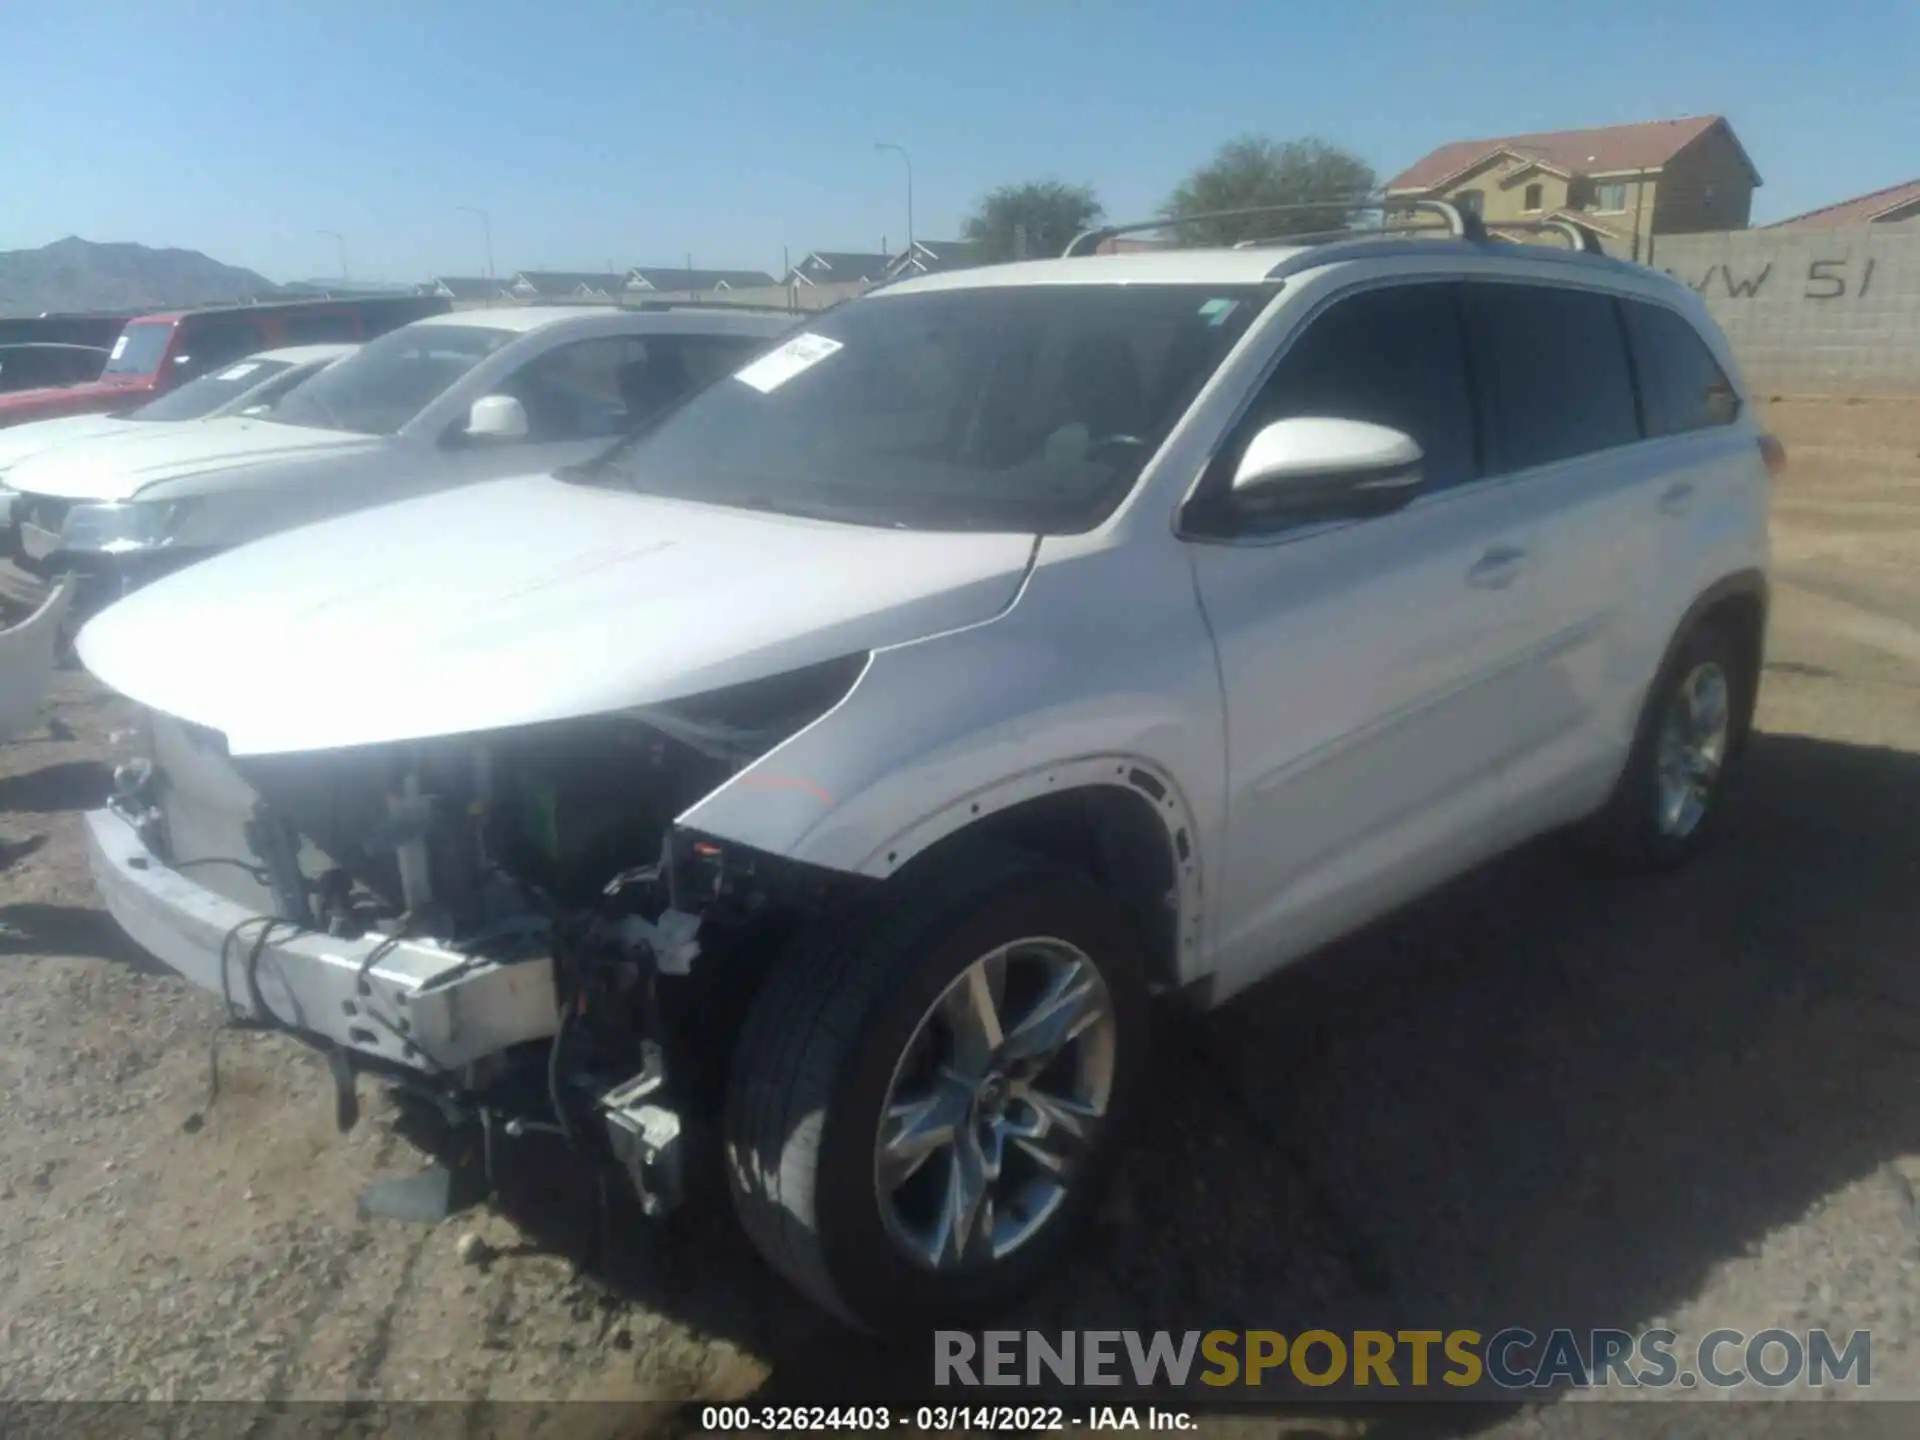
(842, 765)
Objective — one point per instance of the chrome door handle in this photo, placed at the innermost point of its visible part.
(1678, 499)
(1498, 568)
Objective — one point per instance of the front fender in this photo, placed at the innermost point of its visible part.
(1101, 673)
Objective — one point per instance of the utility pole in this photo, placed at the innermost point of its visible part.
(900, 150)
(486, 229)
(342, 244)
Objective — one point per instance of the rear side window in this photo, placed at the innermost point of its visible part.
(1393, 356)
(1682, 386)
(1552, 371)
(139, 348)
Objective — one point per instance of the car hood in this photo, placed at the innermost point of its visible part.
(22, 442)
(120, 468)
(522, 601)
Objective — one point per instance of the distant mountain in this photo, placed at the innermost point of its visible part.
(76, 274)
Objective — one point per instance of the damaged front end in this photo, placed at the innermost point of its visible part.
(510, 922)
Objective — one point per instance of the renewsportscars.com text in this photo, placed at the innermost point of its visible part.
(1436, 1360)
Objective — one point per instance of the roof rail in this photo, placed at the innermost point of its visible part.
(1319, 237)
(1578, 236)
(1461, 224)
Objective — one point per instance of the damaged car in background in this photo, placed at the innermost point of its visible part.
(444, 401)
(837, 767)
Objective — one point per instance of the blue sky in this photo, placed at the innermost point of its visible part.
(637, 133)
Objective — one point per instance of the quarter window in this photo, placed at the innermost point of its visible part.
(1551, 365)
(1682, 386)
(1393, 356)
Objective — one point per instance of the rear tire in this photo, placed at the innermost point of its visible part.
(1666, 803)
(871, 1022)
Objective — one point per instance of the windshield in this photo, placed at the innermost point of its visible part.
(386, 382)
(138, 349)
(210, 392)
(1020, 408)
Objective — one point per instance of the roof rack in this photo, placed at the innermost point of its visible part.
(1456, 224)
(1460, 224)
(1578, 236)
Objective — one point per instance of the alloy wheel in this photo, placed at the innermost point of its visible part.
(1692, 748)
(995, 1105)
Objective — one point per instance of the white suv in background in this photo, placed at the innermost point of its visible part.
(459, 397)
(843, 763)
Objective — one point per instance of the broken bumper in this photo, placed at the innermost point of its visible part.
(411, 1003)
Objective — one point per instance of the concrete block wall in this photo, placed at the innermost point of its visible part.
(1811, 311)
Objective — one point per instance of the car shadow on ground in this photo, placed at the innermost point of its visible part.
(1541, 1097)
(63, 785)
(71, 930)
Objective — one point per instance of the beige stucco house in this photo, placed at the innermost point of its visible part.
(1631, 183)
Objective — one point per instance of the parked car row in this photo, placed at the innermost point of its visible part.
(149, 355)
(832, 743)
(38, 351)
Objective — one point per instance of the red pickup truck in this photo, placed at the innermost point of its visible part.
(154, 353)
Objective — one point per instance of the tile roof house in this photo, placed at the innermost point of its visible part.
(930, 257)
(678, 279)
(838, 267)
(566, 285)
(1895, 205)
(1630, 183)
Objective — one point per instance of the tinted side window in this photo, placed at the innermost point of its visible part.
(204, 347)
(1393, 356)
(321, 329)
(1682, 386)
(1552, 369)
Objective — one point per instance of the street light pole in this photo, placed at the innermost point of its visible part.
(486, 229)
(901, 151)
(337, 240)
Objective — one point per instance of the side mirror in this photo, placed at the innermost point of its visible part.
(497, 417)
(1324, 469)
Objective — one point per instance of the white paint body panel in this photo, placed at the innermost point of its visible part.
(1332, 720)
(523, 601)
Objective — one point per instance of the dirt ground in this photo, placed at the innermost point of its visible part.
(1538, 1097)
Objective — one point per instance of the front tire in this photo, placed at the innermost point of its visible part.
(926, 1097)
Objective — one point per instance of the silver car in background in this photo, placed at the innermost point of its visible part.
(244, 387)
(442, 402)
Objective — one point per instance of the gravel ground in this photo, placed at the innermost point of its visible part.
(1538, 1098)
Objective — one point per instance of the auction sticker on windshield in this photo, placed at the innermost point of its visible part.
(780, 365)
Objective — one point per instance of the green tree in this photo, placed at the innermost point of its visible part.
(1254, 170)
(1032, 221)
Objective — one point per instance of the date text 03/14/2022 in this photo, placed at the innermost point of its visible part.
(869, 1419)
